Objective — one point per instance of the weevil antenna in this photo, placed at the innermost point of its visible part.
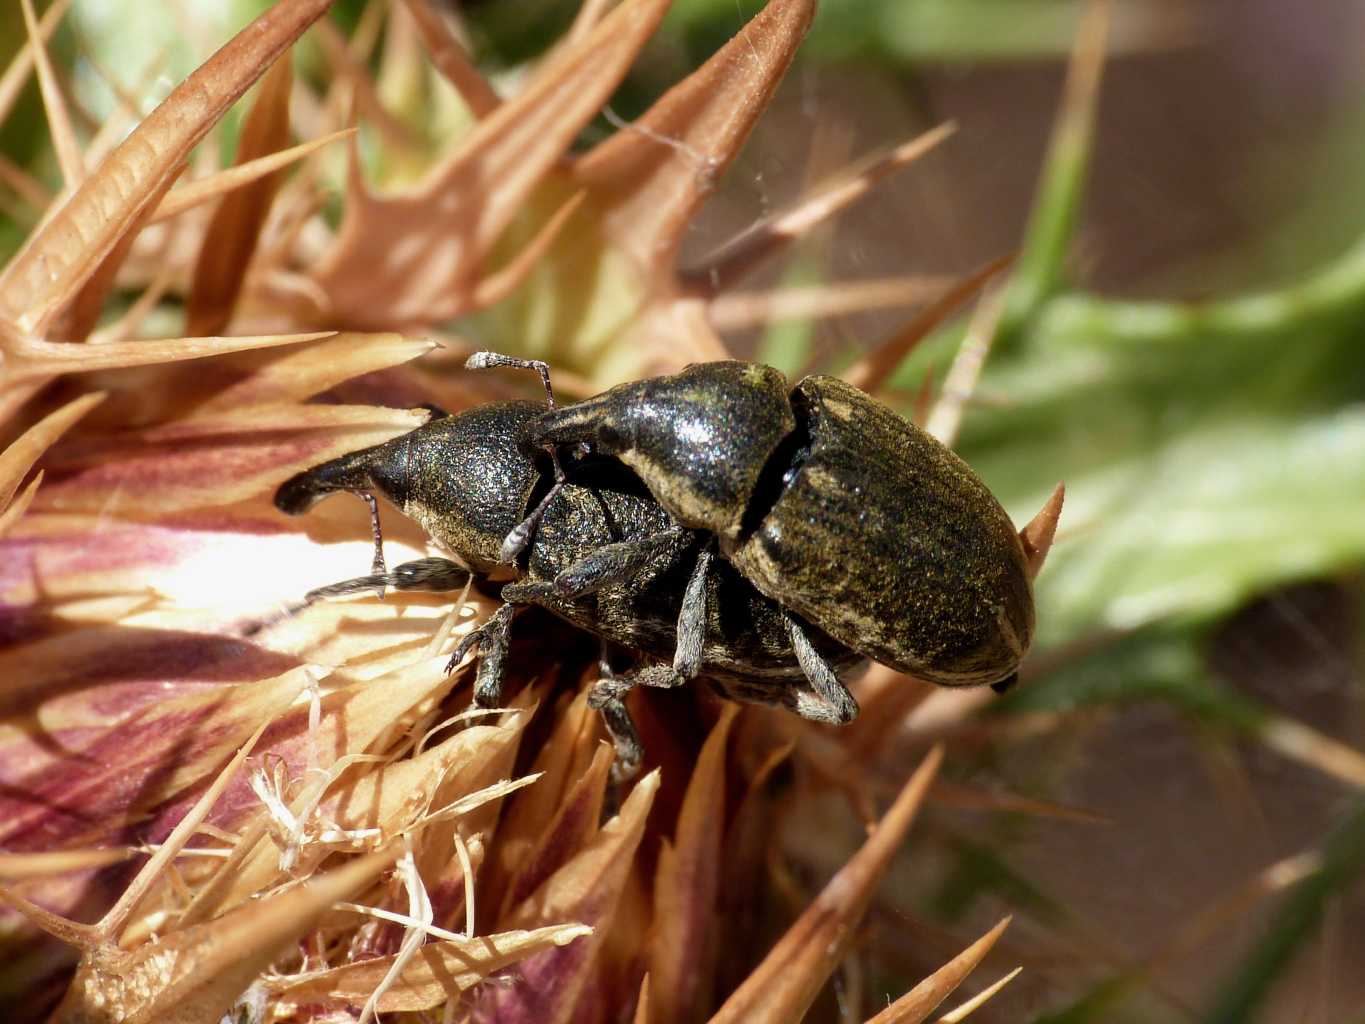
(433, 575)
(484, 360)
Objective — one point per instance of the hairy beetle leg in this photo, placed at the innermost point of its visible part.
(529, 592)
(830, 702)
(607, 698)
(515, 542)
(436, 575)
(687, 655)
(629, 750)
(612, 563)
(377, 566)
(492, 641)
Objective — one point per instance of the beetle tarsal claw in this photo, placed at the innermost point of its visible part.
(491, 641)
(604, 691)
(469, 643)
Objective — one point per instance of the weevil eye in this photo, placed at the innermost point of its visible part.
(609, 438)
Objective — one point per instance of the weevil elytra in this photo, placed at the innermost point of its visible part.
(832, 505)
(579, 534)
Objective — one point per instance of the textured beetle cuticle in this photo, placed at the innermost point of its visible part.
(718, 524)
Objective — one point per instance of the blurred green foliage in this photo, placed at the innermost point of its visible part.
(885, 30)
(1212, 451)
(1343, 858)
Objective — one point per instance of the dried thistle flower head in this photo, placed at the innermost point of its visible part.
(298, 817)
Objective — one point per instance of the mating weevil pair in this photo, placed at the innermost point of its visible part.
(717, 523)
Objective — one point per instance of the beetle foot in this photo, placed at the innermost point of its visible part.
(530, 592)
(664, 676)
(490, 639)
(629, 751)
(609, 691)
(470, 641)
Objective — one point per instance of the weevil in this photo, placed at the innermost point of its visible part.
(830, 504)
(579, 534)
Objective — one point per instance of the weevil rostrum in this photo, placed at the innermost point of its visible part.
(718, 524)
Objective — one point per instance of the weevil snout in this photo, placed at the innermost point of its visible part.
(301, 492)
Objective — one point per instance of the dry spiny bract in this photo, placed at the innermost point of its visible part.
(274, 813)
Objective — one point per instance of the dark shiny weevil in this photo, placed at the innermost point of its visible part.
(832, 505)
(716, 524)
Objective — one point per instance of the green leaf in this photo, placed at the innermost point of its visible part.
(899, 32)
(1162, 663)
(1199, 470)
(980, 868)
(1099, 1004)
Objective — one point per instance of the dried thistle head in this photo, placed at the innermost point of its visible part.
(299, 816)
